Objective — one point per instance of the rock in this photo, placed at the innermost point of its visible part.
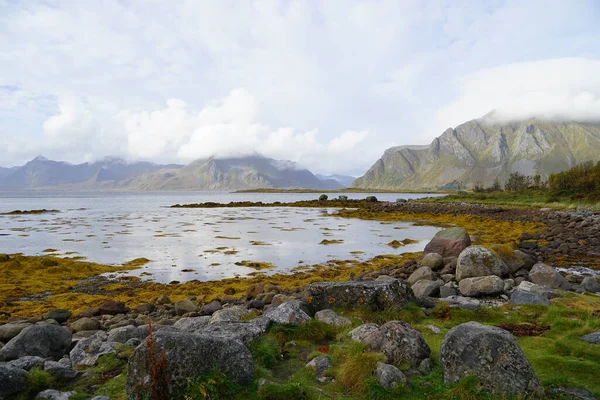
(320, 364)
(332, 318)
(53, 394)
(60, 371)
(46, 341)
(145, 308)
(481, 286)
(85, 324)
(256, 304)
(476, 261)
(384, 278)
(192, 324)
(28, 362)
(185, 306)
(591, 284)
(389, 376)
(400, 343)
(448, 242)
(467, 303)
(426, 366)
(210, 308)
(12, 380)
(229, 314)
(433, 261)
(509, 257)
(113, 308)
(288, 313)
(420, 274)
(59, 315)
(434, 329)
(541, 290)
(9, 331)
(378, 295)
(90, 312)
(573, 394)
(254, 290)
(361, 332)
(189, 356)
(87, 351)
(124, 333)
(547, 276)
(593, 338)
(523, 297)
(528, 260)
(163, 299)
(426, 288)
(100, 398)
(492, 355)
(242, 330)
(446, 291)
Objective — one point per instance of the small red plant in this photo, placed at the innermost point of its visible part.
(159, 385)
(323, 349)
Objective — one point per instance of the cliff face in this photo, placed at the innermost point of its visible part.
(481, 150)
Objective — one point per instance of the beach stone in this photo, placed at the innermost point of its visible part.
(591, 284)
(46, 341)
(60, 371)
(245, 331)
(541, 290)
(448, 242)
(12, 380)
(85, 324)
(125, 333)
(389, 376)
(189, 356)
(52, 394)
(28, 362)
(163, 299)
(427, 288)
(481, 286)
(9, 331)
(400, 343)
(523, 297)
(593, 338)
(229, 314)
(254, 290)
(210, 308)
(492, 355)
(256, 304)
(513, 260)
(89, 312)
(447, 291)
(476, 261)
(112, 307)
(545, 275)
(433, 260)
(87, 351)
(332, 318)
(145, 308)
(289, 312)
(419, 274)
(320, 364)
(377, 295)
(361, 332)
(59, 315)
(185, 306)
(191, 324)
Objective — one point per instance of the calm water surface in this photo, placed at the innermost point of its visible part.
(203, 244)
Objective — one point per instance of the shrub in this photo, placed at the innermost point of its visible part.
(38, 380)
(265, 352)
(213, 385)
(323, 197)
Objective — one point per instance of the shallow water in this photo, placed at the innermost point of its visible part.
(203, 244)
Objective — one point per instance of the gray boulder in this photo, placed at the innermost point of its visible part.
(124, 333)
(229, 314)
(476, 261)
(46, 341)
(28, 362)
(288, 313)
(401, 344)
(433, 260)
(85, 324)
(492, 355)
(421, 273)
(378, 295)
(59, 315)
(513, 259)
(87, 351)
(523, 297)
(12, 380)
(547, 276)
(52, 394)
(243, 331)
(591, 284)
(211, 308)
(593, 338)
(11, 330)
(191, 324)
(189, 356)
(361, 332)
(60, 371)
(320, 364)
(481, 286)
(389, 376)
(573, 394)
(332, 318)
(448, 242)
(427, 288)
(185, 306)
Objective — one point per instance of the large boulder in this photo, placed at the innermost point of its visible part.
(545, 275)
(481, 286)
(477, 261)
(377, 295)
(513, 259)
(427, 288)
(230, 314)
(288, 313)
(401, 344)
(192, 324)
(124, 333)
(243, 331)
(432, 260)
(12, 380)
(492, 355)
(188, 357)
(448, 242)
(46, 341)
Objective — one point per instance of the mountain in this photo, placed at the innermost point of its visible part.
(235, 173)
(41, 173)
(482, 150)
(344, 180)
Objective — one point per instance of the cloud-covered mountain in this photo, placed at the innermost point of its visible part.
(483, 149)
(344, 180)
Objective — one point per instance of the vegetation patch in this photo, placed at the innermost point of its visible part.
(24, 212)
(331, 241)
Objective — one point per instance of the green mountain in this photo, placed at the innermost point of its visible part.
(483, 150)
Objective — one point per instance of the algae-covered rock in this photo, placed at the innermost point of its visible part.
(448, 242)
(377, 295)
(46, 341)
(477, 261)
(492, 355)
(188, 357)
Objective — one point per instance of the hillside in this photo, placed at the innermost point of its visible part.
(483, 150)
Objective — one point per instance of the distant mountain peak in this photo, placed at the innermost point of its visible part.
(40, 158)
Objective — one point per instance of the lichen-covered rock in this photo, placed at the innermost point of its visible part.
(361, 332)
(289, 312)
(59, 371)
(229, 314)
(401, 344)
(377, 295)
(481, 286)
(427, 288)
(12, 380)
(545, 275)
(513, 260)
(389, 376)
(192, 324)
(189, 356)
(87, 351)
(332, 318)
(448, 242)
(46, 341)
(492, 355)
(421, 273)
(245, 331)
(477, 261)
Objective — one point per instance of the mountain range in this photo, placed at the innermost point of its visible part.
(249, 172)
(482, 150)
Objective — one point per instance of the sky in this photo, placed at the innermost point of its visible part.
(328, 84)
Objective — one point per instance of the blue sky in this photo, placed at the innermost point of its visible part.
(329, 84)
